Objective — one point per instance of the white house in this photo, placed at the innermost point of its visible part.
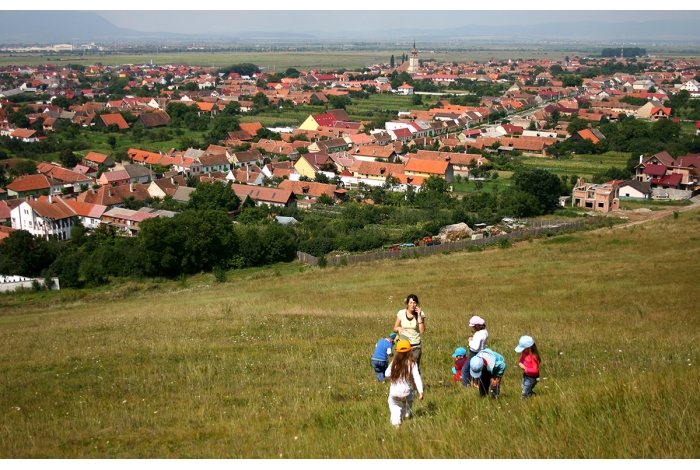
(44, 218)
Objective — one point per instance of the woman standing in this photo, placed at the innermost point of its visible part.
(410, 324)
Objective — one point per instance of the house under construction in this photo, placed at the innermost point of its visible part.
(599, 197)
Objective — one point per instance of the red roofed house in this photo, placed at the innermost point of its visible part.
(95, 159)
(114, 178)
(261, 195)
(310, 189)
(126, 221)
(25, 135)
(31, 185)
(90, 215)
(328, 119)
(106, 120)
(46, 217)
(427, 168)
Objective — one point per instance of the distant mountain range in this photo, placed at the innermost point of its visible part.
(79, 26)
(82, 26)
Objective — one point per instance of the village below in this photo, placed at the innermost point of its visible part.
(129, 162)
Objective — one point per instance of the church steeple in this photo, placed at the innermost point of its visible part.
(413, 64)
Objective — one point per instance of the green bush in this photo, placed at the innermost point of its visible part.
(219, 274)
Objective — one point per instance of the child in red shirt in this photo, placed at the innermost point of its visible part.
(529, 363)
(460, 356)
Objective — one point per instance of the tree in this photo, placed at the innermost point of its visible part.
(233, 108)
(223, 124)
(543, 184)
(576, 125)
(23, 167)
(338, 102)
(190, 242)
(572, 80)
(23, 255)
(321, 178)
(554, 117)
(191, 86)
(291, 72)
(188, 142)
(214, 196)
(416, 100)
(279, 244)
(325, 199)
(391, 62)
(68, 158)
(112, 141)
(666, 130)
(260, 100)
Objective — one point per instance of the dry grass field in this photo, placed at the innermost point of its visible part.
(276, 362)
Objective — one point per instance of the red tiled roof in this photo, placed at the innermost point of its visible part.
(29, 183)
(23, 133)
(280, 196)
(308, 188)
(55, 209)
(326, 120)
(95, 157)
(654, 170)
(419, 165)
(670, 180)
(251, 127)
(118, 119)
(85, 209)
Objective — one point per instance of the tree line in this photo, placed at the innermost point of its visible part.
(203, 237)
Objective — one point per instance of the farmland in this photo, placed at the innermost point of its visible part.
(580, 165)
(275, 361)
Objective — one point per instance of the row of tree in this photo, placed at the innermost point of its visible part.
(203, 237)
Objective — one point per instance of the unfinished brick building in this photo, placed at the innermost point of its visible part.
(599, 197)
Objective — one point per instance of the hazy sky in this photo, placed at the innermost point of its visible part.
(193, 22)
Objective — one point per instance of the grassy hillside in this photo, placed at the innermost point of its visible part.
(275, 362)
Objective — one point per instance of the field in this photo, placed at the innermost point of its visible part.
(319, 56)
(580, 165)
(278, 61)
(275, 362)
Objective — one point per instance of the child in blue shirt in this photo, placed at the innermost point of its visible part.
(380, 358)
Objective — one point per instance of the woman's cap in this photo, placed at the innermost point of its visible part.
(403, 346)
(460, 352)
(475, 366)
(473, 321)
(524, 343)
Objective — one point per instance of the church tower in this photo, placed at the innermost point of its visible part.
(413, 64)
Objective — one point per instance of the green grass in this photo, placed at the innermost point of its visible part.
(581, 165)
(488, 186)
(275, 362)
(631, 204)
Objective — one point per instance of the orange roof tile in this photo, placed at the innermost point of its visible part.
(419, 165)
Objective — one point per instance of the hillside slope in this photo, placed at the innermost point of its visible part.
(275, 363)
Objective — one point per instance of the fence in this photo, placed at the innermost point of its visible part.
(544, 226)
